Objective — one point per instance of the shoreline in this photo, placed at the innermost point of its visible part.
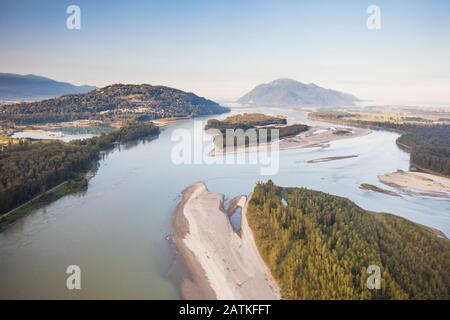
(222, 263)
(421, 183)
(196, 287)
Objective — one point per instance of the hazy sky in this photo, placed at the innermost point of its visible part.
(221, 49)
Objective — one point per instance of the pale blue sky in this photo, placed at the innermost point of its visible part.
(221, 49)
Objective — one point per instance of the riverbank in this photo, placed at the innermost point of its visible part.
(48, 155)
(418, 183)
(63, 189)
(425, 142)
(224, 264)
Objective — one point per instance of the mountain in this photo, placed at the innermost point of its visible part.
(31, 87)
(119, 101)
(287, 92)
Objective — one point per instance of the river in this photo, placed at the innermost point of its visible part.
(116, 230)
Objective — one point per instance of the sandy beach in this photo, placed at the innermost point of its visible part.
(223, 263)
(321, 137)
(418, 183)
(315, 137)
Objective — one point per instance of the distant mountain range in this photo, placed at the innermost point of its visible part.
(119, 101)
(288, 92)
(32, 87)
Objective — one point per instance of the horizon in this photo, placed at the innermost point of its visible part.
(221, 51)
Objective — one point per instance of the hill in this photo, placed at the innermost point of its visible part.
(287, 92)
(319, 246)
(138, 102)
(32, 87)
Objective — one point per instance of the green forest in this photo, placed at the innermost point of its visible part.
(429, 144)
(318, 246)
(29, 168)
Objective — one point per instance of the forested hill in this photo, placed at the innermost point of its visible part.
(318, 246)
(139, 102)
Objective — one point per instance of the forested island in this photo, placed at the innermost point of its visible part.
(429, 144)
(319, 246)
(29, 168)
(120, 101)
(245, 121)
(261, 123)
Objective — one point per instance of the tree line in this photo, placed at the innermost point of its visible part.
(234, 129)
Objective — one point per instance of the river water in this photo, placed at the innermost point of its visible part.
(116, 230)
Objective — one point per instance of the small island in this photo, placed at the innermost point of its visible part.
(327, 159)
(418, 183)
(295, 136)
(371, 187)
(263, 126)
(245, 121)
